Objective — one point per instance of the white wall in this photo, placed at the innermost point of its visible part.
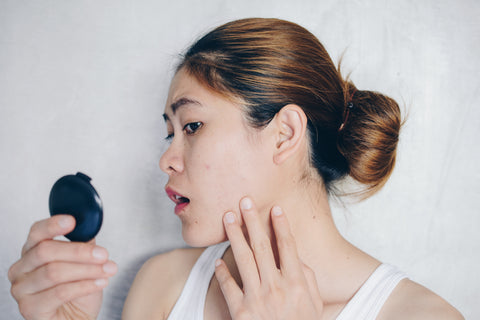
(82, 88)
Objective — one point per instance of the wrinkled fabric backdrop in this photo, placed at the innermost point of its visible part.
(83, 86)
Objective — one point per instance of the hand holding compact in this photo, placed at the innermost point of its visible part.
(269, 292)
(59, 280)
(56, 279)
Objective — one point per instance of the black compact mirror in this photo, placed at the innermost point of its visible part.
(74, 195)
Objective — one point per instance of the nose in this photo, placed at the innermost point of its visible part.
(172, 161)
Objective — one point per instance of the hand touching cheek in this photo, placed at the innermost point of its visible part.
(269, 292)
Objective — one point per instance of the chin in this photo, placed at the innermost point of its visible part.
(202, 238)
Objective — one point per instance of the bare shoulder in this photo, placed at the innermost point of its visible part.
(159, 283)
(411, 300)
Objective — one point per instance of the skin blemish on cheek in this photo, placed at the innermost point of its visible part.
(207, 167)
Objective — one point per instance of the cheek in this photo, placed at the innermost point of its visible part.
(233, 181)
(223, 171)
(222, 168)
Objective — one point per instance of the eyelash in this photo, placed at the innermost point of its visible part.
(198, 124)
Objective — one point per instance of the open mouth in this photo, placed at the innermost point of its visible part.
(176, 197)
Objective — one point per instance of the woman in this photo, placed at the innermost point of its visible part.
(261, 125)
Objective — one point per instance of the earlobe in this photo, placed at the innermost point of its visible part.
(291, 123)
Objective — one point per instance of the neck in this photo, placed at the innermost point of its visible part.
(309, 215)
(340, 268)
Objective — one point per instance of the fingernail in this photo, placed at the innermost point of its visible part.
(277, 211)
(99, 253)
(218, 262)
(64, 222)
(229, 217)
(101, 282)
(110, 267)
(246, 204)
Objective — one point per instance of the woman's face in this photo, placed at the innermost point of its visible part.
(214, 159)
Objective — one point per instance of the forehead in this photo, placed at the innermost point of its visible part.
(185, 87)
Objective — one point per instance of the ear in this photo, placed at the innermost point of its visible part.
(291, 124)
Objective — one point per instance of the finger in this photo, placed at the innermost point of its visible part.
(241, 252)
(259, 242)
(287, 250)
(313, 288)
(57, 225)
(52, 250)
(56, 273)
(50, 300)
(231, 291)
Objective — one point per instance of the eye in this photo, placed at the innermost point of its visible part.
(192, 127)
(169, 137)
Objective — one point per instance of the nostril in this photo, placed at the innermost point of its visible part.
(171, 160)
(165, 163)
(172, 167)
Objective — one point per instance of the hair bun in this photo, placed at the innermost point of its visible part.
(368, 138)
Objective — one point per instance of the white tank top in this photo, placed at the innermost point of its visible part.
(365, 304)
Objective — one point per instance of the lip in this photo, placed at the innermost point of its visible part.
(173, 195)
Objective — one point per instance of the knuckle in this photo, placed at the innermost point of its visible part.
(276, 296)
(297, 292)
(228, 284)
(77, 249)
(221, 277)
(286, 242)
(225, 280)
(261, 246)
(51, 226)
(245, 255)
(14, 291)
(24, 248)
(11, 272)
(253, 296)
(42, 252)
(81, 250)
(33, 233)
(34, 227)
(53, 272)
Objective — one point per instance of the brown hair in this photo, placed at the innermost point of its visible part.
(269, 63)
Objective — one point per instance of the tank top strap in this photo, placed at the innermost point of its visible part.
(191, 303)
(369, 299)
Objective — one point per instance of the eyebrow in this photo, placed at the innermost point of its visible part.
(180, 103)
